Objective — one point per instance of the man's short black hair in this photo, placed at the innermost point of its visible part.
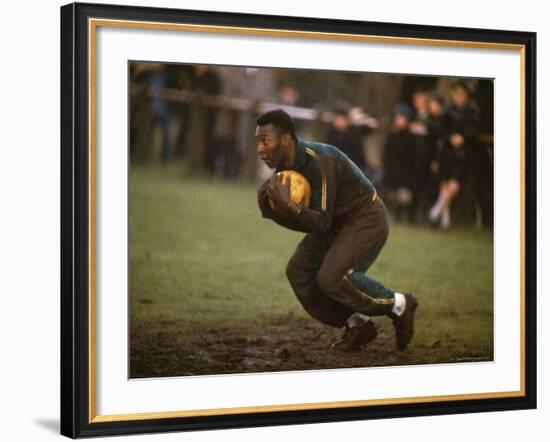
(280, 120)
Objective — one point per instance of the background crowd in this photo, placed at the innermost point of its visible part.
(426, 142)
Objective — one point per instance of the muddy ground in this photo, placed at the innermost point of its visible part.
(283, 344)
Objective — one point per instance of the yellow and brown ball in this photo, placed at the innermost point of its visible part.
(300, 189)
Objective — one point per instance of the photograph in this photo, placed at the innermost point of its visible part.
(299, 219)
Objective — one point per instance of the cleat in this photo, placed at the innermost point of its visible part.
(356, 337)
(404, 324)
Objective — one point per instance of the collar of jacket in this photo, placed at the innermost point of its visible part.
(300, 158)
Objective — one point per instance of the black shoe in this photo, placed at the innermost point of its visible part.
(355, 337)
(404, 324)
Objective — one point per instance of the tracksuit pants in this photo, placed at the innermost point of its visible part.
(327, 272)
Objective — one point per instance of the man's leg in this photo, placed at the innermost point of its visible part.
(302, 270)
(341, 275)
(352, 252)
(381, 298)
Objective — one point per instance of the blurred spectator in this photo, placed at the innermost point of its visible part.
(435, 122)
(422, 198)
(460, 135)
(138, 105)
(160, 109)
(289, 95)
(206, 81)
(434, 143)
(483, 156)
(420, 103)
(259, 86)
(227, 124)
(399, 156)
(348, 137)
(412, 84)
(180, 77)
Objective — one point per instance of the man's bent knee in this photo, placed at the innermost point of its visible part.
(328, 281)
(295, 272)
(291, 271)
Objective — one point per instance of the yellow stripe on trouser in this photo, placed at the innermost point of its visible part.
(366, 296)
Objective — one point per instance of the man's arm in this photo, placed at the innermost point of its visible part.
(318, 217)
(279, 218)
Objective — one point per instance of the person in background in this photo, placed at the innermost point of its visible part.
(421, 179)
(289, 95)
(460, 131)
(421, 111)
(435, 125)
(434, 142)
(207, 81)
(483, 162)
(180, 77)
(399, 156)
(347, 130)
(160, 109)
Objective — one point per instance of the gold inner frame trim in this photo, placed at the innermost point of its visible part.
(522, 219)
(92, 28)
(296, 407)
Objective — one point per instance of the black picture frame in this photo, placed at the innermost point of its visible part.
(76, 404)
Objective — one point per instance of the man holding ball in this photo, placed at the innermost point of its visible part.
(346, 225)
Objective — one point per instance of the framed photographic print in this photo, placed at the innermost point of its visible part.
(273, 220)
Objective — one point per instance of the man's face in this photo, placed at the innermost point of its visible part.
(269, 145)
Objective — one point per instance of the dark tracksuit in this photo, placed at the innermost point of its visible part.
(346, 226)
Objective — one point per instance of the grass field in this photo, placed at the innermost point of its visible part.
(208, 293)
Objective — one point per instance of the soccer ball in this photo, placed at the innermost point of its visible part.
(300, 189)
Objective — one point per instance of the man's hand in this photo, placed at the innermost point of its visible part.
(278, 192)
